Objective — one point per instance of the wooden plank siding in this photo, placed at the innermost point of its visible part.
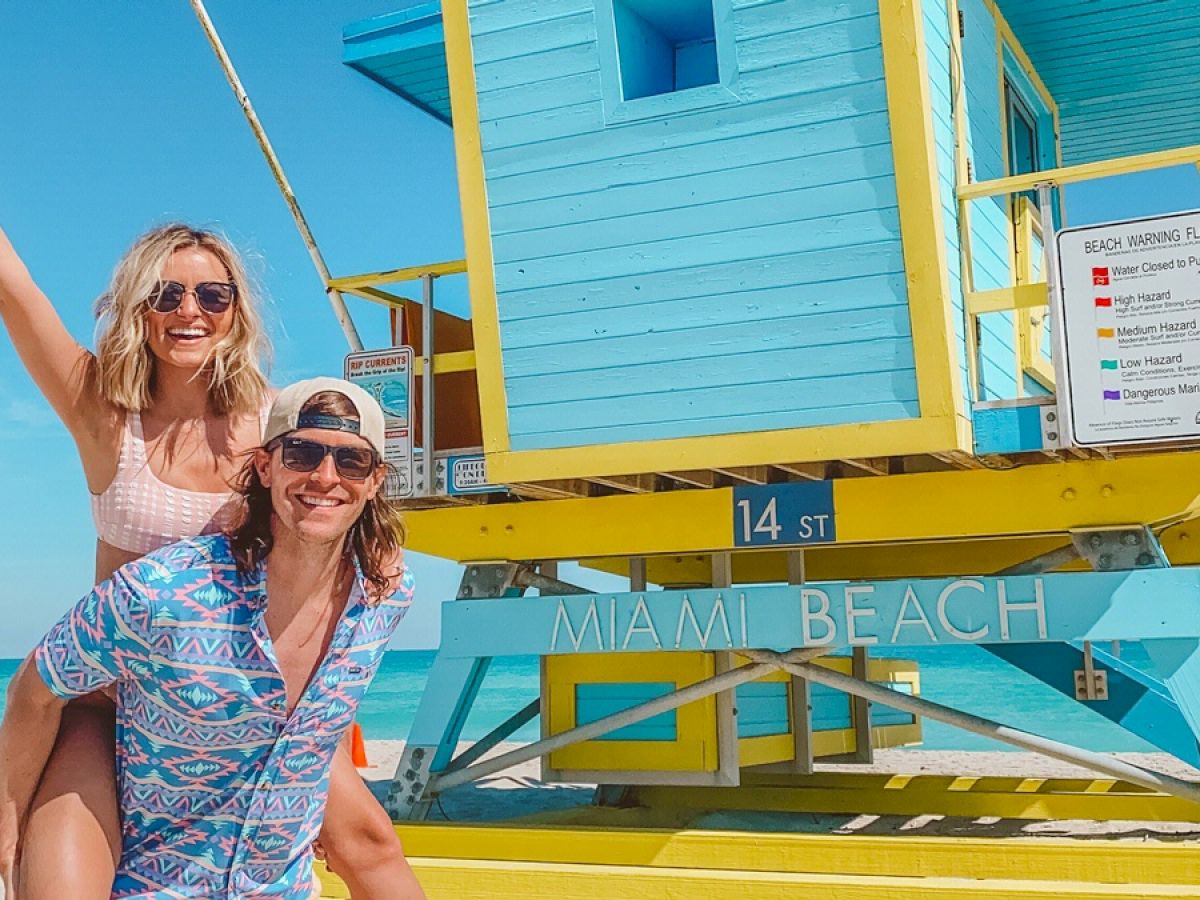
(725, 270)
(1123, 72)
(990, 228)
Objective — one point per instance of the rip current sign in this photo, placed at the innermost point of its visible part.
(780, 515)
(387, 376)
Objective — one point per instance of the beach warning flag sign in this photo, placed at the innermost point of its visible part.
(1100, 275)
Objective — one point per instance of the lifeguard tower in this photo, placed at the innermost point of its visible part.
(775, 311)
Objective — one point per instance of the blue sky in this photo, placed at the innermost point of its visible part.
(117, 118)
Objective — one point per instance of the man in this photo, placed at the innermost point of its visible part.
(238, 662)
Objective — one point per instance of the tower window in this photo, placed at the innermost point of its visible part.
(663, 47)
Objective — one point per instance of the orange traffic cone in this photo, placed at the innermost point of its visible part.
(358, 747)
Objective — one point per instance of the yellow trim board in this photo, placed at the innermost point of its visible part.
(921, 229)
(606, 836)
(472, 191)
(488, 880)
(1122, 165)
(1022, 296)
(393, 276)
(955, 505)
(894, 438)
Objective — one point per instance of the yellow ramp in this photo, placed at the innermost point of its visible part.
(595, 863)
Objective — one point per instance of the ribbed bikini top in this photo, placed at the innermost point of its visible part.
(138, 512)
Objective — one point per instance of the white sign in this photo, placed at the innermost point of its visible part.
(387, 376)
(1131, 323)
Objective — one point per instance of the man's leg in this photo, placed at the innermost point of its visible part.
(360, 843)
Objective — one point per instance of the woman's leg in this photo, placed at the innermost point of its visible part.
(72, 840)
(359, 841)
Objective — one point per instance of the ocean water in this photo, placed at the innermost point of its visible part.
(964, 677)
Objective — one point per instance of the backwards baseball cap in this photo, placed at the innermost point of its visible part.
(285, 415)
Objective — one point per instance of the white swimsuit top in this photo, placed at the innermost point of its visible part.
(139, 513)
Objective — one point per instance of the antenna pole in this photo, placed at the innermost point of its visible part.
(340, 312)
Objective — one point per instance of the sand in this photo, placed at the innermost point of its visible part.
(519, 791)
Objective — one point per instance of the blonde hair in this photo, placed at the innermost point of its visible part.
(124, 363)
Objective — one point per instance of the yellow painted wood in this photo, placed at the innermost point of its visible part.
(835, 563)
(392, 276)
(902, 437)
(1024, 500)
(1124, 165)
(921, 229)
(1025, 296)
(463, 881)
(979, 503)
(1033, 324)
(445, 363)
(491, 880)
(614, 837)
(481, 280)
(928, 795)
(694, 750)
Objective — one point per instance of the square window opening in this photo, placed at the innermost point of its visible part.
(664, 46)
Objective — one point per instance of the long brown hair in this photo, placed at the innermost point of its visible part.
(375, 538)
(124, 363)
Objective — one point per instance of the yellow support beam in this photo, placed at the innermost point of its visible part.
(602, 840)
(449, 879)
(1085, 172)
(392, 276)
(977, 504)
(1023, 296)
(445, 363)
(377, 296)
(926, 795)
(597, 863)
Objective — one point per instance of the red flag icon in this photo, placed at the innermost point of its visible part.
(1104, 301)
(1100, 276)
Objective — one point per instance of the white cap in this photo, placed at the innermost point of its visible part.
(285, 411)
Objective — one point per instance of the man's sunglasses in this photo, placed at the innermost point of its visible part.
(354, 463)
(211, 296)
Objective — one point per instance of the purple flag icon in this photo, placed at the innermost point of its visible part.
(1112, 395)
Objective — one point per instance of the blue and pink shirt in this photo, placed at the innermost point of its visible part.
(222, 791)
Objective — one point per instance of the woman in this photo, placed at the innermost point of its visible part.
(162, 414)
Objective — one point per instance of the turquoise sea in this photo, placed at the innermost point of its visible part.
(964, 677)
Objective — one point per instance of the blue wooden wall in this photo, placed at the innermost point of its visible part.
(990, 227)
(730, 269)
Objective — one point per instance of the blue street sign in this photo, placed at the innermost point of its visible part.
(774, 515)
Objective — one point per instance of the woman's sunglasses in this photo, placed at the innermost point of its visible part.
(211, 296)
(300, 455)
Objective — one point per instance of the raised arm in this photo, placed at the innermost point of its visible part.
(26, 738)
(58, 364)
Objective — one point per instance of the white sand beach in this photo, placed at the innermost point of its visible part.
(519, 791)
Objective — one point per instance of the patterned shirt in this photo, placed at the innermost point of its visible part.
(222, 791)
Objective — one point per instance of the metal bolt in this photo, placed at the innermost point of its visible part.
(1130, 539)
(1095, 540)
(1052, 435)
(418, 753)
(410, 774)
(1068, 494)
(1104, 562)
(1051, 417)
(1145, 559)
